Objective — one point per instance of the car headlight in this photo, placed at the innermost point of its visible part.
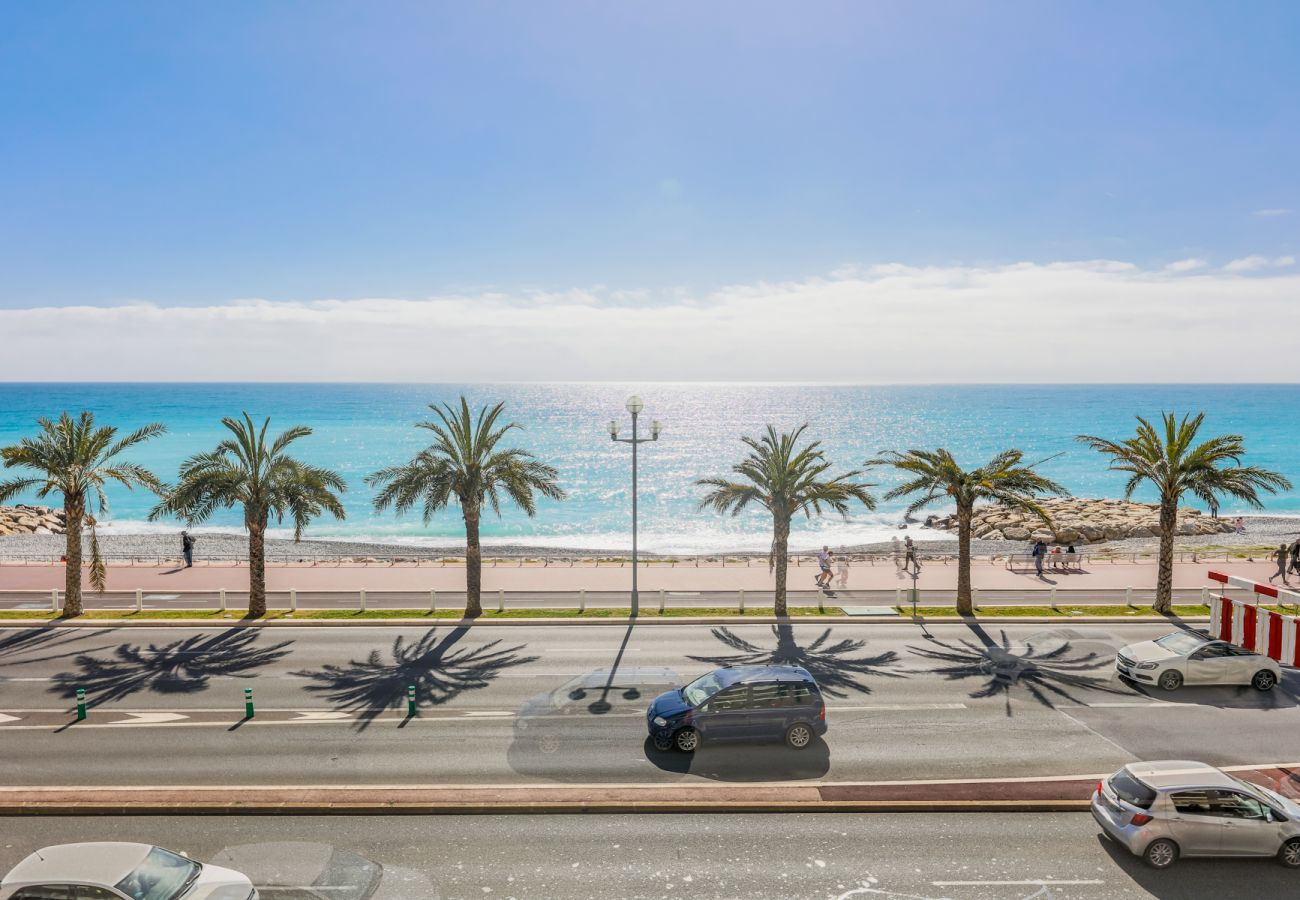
(660, 721)
(1147, 665)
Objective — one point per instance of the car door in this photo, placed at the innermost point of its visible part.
(1248, 828)
(1242, 665)
(1196, 823)
(769, 707)
(726, 714)
(1211, 664)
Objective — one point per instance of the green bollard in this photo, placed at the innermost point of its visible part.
(410, 701)
(81, 705)
(248, 703)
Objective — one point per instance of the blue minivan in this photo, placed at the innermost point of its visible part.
(755, 703)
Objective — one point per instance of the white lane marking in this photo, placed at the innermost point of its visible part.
(170, 597)
(149, 718)
(1029, 882)
(5, 718)
(895, 706)
(1143, 705)
(321, 716)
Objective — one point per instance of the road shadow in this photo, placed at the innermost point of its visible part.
(1284, 695)
(437, 667)
(15, 645)
(743, 762)
(1046, 666)
(1211, 879)
(181, 667)
(830, 662)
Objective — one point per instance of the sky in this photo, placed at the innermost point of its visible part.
(849, 192)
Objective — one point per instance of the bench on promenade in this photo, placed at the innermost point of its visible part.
(1058, 562)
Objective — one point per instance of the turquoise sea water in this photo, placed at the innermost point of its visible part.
(362, 427)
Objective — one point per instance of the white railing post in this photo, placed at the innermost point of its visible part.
(1128, 596)
(221, 596)
(742, 601)
(582, 600)
(898, 596)
(362, 594)
(54, 600)
(1205, 595)
(661, 601)
(1053, 597)
(293, 600)
(975, 598)
(433, 601)
(501, 599)
(139, 600)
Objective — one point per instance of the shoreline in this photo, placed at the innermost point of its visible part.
(1261, 531)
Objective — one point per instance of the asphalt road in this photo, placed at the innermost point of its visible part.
(826, 856)
(533, 703)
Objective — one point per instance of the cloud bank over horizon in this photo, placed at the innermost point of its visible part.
(1078, 321)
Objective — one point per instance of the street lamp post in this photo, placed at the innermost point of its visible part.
(634, 406)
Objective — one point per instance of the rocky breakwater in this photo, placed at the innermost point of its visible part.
(1076, 521)
(30, 520)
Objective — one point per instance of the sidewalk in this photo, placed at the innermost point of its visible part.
(1070, 792)
(406, 578)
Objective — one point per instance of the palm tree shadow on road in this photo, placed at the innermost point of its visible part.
(1047, 675)
(829, 662)
(437, 668)
(181, 667)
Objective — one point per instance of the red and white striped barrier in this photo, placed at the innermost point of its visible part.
(1242, 622)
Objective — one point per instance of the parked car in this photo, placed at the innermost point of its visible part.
(1190, 657)
(740, 703)
(120, 871)
(1162, 811)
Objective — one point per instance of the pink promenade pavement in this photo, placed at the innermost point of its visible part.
(378, 577)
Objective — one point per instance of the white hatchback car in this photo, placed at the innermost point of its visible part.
(120, 871)
(1189, 657)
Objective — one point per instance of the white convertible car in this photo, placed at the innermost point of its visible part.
(1187, 657)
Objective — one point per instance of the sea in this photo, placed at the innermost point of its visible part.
(358, 428)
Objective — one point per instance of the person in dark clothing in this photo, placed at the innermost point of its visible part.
(1040, 551)
(187, 549)
(1282, 556)
(1295, 557)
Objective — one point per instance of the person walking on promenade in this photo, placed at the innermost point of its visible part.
(1214, 509)
(823, 579)
(842, 567)
(1295, 557)
(909, 558)
(1040, 550)
(187, 549)
(1283, 555)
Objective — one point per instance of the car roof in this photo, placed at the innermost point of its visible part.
(747, 674)
(1175, 773)
(106, 862)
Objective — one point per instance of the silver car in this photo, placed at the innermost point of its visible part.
(1161, 811)
(1189, 657)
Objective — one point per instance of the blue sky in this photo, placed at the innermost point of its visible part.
(604, 190)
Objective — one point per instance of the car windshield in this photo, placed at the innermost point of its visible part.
(1258, 790)
(162, 876)
(702, 688)
(1181, 642)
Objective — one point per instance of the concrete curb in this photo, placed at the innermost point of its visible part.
(624, 622)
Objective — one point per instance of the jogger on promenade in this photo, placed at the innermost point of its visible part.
(1283, 556)
(823, 579)
(909, 558)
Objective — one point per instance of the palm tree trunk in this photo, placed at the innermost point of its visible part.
(473, 567)
(780, 561)
(256, 569)
(1165, 572)
(965, 606)
(74, 511)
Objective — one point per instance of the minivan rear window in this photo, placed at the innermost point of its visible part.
(1130, 790)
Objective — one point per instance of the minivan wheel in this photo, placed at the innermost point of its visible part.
(687, 740)
(1264, 680)
(1289, 855)
(1171, 680)
(798, 736)
(1160, 854)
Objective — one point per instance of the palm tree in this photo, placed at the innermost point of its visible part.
(1176, 465)
(935, 475)
(785, 480)
(245, 470)
(75, 458)
(465, 463)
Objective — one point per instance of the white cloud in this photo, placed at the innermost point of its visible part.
(1274, 211)
(1093, 321)
(1186, 265)
(1254, 262)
